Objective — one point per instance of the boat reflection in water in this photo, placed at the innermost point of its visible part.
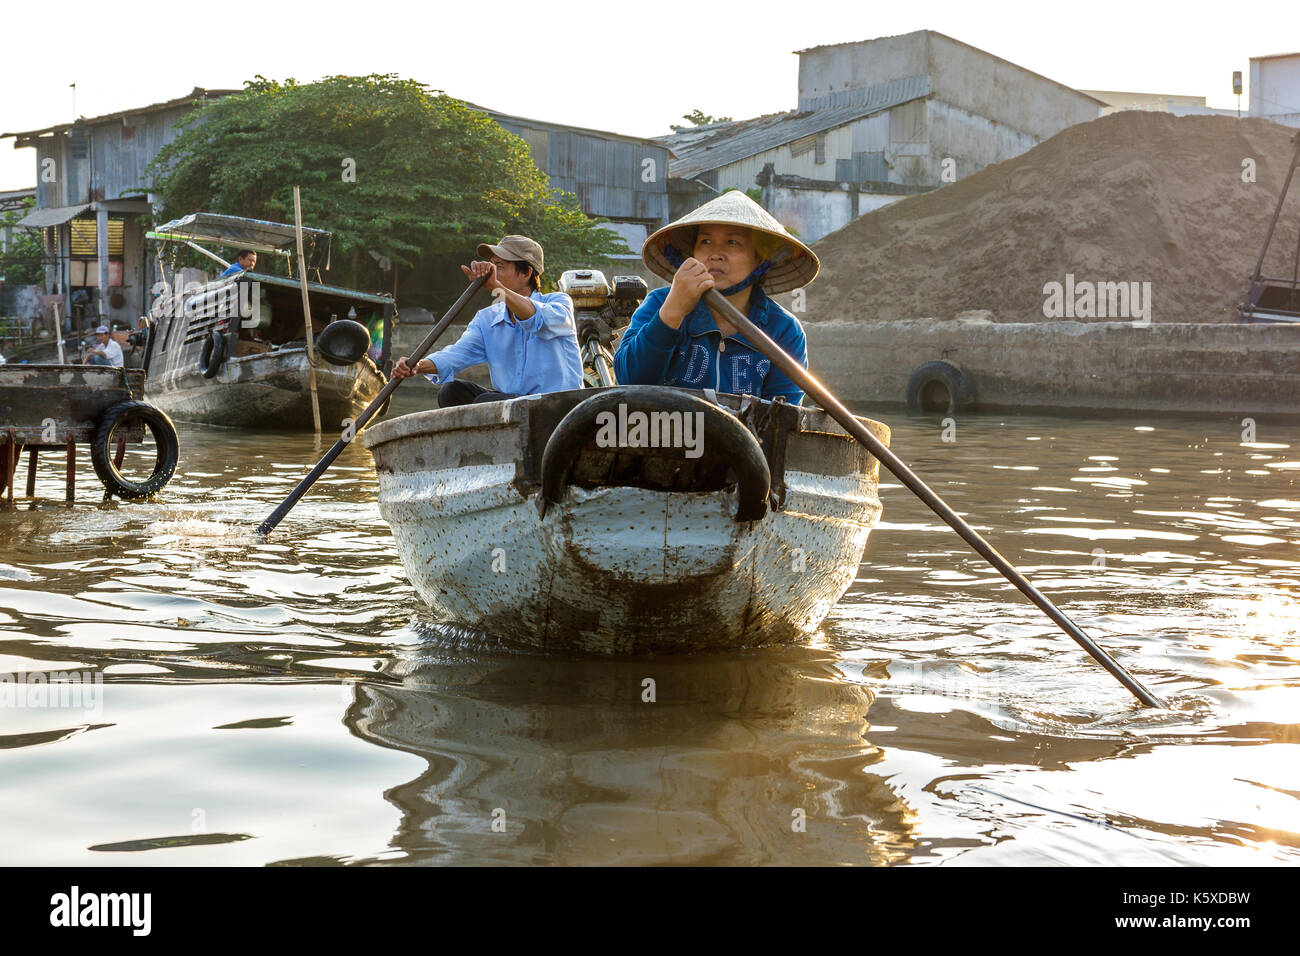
(738, 759)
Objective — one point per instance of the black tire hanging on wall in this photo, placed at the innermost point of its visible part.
(343, 342)
(213, 354)
(165, 440)
(940, 386)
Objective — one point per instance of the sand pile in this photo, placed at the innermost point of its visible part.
(1130, 197)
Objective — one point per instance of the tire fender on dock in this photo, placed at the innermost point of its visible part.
(165, 440)
(940, 386)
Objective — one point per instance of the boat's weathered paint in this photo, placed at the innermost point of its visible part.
(267, 390)
(616, 569)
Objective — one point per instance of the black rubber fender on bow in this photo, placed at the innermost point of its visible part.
(725, 438)
(343, 342)
(213, 354)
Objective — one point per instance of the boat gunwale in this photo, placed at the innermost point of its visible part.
(432, 421)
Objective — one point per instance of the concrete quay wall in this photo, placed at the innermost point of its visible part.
(1206, 367)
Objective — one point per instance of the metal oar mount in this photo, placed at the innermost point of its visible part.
(800, 376)
(390, 386)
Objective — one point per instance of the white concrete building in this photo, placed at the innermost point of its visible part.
(876, 120)
(1275, 88)
(1117, 101)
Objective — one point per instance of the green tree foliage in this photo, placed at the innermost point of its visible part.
(385, 163)
(753, 192)
(700, 118)
(20, 263)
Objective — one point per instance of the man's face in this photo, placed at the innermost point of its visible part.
(102, 337)
(727, 252)
(249, 261)
(511, 278)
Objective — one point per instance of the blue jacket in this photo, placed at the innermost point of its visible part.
(534, 355)
(696, 355)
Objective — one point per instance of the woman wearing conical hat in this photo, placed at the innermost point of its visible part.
(733, 245)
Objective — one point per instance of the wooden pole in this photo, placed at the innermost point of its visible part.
(306, 310)
(58, 330)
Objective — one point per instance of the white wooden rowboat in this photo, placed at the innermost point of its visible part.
(552, 521)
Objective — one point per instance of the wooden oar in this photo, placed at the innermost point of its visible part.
(801, 377)
(278, 514)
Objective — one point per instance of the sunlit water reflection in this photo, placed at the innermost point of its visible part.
(285, 700)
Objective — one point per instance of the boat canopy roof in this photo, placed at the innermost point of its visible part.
(256, 234)
(376, 298)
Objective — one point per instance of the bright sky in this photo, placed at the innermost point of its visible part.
(630, 67)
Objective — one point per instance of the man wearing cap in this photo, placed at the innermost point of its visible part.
(107, 352)
(735, 246)
(527, 338)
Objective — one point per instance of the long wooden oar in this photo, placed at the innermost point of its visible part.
(800, 376)
(278, 514)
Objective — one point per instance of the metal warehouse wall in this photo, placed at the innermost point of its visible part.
(605, 174)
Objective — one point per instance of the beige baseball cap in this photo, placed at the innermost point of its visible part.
(514, 249)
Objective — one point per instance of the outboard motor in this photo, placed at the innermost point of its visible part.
(601, 313)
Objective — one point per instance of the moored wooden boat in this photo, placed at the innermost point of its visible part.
(233, 351)
(553, 521)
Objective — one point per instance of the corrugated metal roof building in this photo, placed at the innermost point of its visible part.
(88, 177)
(616, 177)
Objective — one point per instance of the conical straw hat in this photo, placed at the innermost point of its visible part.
(796, 265)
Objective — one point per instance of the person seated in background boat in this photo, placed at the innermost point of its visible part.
(735, 246)
(245, 261)
(528, 338)
(107, 352)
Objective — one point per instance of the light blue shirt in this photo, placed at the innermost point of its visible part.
(526, 357)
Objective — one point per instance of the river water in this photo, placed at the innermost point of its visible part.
(285, 701)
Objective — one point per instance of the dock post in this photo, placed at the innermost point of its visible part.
(70, 481)
(4, 469)
(31, 473)
(11, 466)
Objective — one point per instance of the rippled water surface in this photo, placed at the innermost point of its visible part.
(284, 701)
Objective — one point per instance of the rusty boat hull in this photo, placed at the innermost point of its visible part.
(640, 552)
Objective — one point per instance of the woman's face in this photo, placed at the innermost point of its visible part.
(727, 252)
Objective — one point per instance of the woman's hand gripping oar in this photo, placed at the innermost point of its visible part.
(278, 514)
(800, 376)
